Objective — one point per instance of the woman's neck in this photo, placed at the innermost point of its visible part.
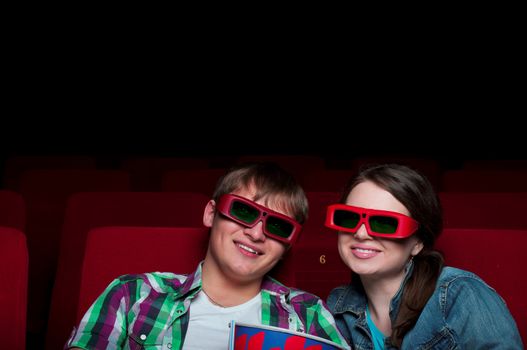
(380, 293)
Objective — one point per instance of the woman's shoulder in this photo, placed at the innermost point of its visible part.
(346, 298)
(457, 281)
(453, 274)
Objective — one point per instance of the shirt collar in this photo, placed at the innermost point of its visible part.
(192, 285)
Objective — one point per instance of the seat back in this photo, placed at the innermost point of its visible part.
(317, 263)
(146, 172)
(191, 180)
(115, 251)
(495, 164)
(484, 210)
(12, 210)
(484, 181)
(327, 180)
(429, 167)
(86, 211)
(45, 193)
(15, 166)
(13, 294)
(297, 165)
(498, 257)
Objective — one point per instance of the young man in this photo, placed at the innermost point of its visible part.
(254, 218)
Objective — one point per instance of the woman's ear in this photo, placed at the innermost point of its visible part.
(208, 213)
(418, 246)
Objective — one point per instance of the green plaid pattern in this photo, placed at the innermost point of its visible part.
(152, 309)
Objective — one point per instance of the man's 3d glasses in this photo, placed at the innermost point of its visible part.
(248, 213)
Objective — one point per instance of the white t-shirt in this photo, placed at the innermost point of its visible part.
(209, 323)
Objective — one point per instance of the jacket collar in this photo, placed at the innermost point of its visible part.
(353, 298)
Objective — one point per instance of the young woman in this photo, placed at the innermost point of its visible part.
(401, 295)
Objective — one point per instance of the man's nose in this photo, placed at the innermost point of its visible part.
(255, 232)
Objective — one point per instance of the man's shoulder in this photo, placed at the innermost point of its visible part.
(304, 297)
(293, 295)
(162, 282)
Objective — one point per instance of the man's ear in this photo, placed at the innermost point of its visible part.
(208, 213)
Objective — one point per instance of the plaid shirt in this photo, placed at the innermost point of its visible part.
(151, 311)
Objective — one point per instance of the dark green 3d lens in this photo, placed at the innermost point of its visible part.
(244, 212)
(279, 227)
(347, 219)
(383, 224)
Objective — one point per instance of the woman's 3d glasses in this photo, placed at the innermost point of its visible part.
(248, 213)
(379, 223)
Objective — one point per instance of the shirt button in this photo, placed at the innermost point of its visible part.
(290, 319)
(169, 345)
(142, 336)
(179, 311)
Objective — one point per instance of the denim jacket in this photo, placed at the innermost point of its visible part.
(462, 313)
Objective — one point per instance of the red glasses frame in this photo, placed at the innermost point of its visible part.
(226, 201)
(406, 226)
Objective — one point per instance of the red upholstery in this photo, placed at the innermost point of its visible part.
(16, 165)
(297, 165)
(317, 263)
(114, 251)
(484, 210)
(426, 166)
(324, 180)
(484, 181)
(89, 210)
(495, 164)
(46, 193)
(13, 293)
(496, 255)
(191, 180)
(146, 172)
(12, 210)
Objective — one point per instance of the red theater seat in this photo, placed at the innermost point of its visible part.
(317, 263)
(89, 210)
(484, 181)
(484, 210)
(496, 255)
(496, 164)
(191, 180)
(15, 166)
(45, 193)
(324, 180)
(426, 166)
(146, 172)
(13, 293)
(12, 210)
(114, 251)
(297, 165)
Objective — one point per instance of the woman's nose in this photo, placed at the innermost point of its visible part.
(362, 232)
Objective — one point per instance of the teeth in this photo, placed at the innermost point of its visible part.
(365, 250)
(244, 247)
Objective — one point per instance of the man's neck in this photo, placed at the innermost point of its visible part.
(226, 291)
